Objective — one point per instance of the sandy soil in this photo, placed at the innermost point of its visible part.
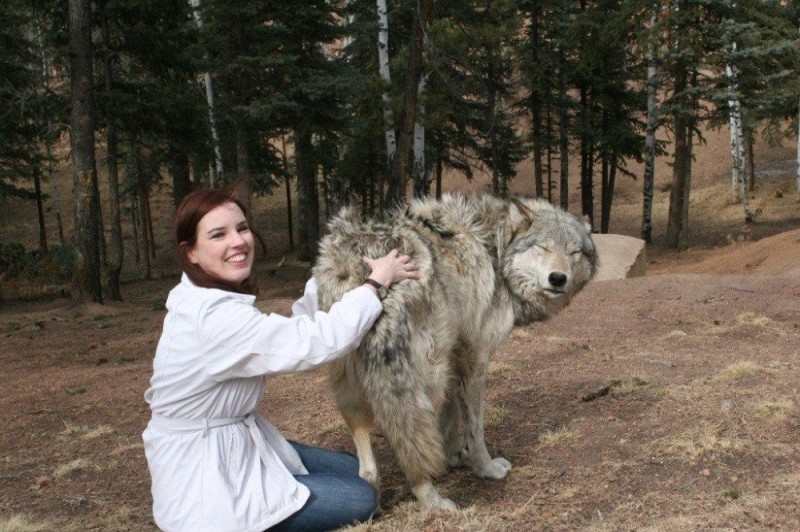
(666, 402)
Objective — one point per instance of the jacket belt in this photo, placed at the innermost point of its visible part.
(182, 426)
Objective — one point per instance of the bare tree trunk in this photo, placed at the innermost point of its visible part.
(288, 181)
(142, 215)
(307, 197)
(37, 187)
(678, 217)
(86, 280)
(422, 181)
(607, 192)
(386, 76)
(114, 263)
(396, 194)
(650, 134)
(750, 161)
(50, 174)
(738, 176)
(563, 129)
(217, 172)
(181, 176)
(536, 113)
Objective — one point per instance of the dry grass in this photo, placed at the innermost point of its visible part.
(23, 523)
(756, 323)
(339, 427)
(776, 411)
(703, 440)
(550, 438)
(739, 370)
(71, 468)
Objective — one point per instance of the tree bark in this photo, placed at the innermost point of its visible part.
(678, 217)
(86, 280)
(217, 171)
(422, 181)
(37, 187)
(396, 194)
(650, 134)
(563, 129)
(288, 182)
(181, 176)
(307, 197)
(386, 76)
(115, 255)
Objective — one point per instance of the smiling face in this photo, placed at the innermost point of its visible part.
(224, 246)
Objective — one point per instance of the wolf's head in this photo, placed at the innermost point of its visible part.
(549, 257)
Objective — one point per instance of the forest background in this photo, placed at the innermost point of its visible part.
(663, 402)
(352, 102)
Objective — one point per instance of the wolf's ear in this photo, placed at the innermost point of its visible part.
(587, 222)
(519, 214)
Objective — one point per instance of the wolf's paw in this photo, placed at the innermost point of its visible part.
(496, 468)
(442, 503)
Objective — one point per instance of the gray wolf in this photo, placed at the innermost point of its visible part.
(486, 265)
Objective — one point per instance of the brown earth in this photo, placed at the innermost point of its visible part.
(665, 402)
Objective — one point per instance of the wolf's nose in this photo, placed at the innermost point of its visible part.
(557, 279)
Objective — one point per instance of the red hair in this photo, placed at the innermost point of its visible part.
(191, 210)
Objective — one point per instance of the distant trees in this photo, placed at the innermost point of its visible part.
(328, 94)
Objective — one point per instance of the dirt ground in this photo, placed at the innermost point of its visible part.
(664, 402)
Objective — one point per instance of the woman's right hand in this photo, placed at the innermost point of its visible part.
(392, 268)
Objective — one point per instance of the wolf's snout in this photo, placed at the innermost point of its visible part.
(557, 279)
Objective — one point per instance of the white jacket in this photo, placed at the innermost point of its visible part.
(214, 463)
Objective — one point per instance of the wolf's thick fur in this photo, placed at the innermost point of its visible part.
(486, 264)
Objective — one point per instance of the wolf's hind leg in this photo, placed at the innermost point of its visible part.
(473, 390)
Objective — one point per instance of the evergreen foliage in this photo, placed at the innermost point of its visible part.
(550, 80)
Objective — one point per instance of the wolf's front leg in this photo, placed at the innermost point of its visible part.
(367, 467)
(474, 387)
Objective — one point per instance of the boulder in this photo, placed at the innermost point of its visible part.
(620, 256)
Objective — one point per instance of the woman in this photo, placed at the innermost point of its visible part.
(215, 463)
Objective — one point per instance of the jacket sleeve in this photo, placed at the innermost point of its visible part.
(239, 341)
(308, 304)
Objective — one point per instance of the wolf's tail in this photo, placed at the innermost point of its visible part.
(396, 391)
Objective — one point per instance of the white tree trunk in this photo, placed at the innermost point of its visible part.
(738, 175)
(650, 135)
(383, 65)
(217, 171)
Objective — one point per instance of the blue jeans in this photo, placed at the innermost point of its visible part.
(339, 497)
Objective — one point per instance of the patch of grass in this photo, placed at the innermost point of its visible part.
(763, 324)
(500, 369)
(122, 449)
(12, 326)
(75, 390)
(675, 335)
(407, 517)
(24, 523)
(551, 438)
(71, 430)
(739, 370)
(102, 430)
(703, 440)
(628, 385)
(776, 411)
(494, 415)
(71, 468)
(335, 428)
